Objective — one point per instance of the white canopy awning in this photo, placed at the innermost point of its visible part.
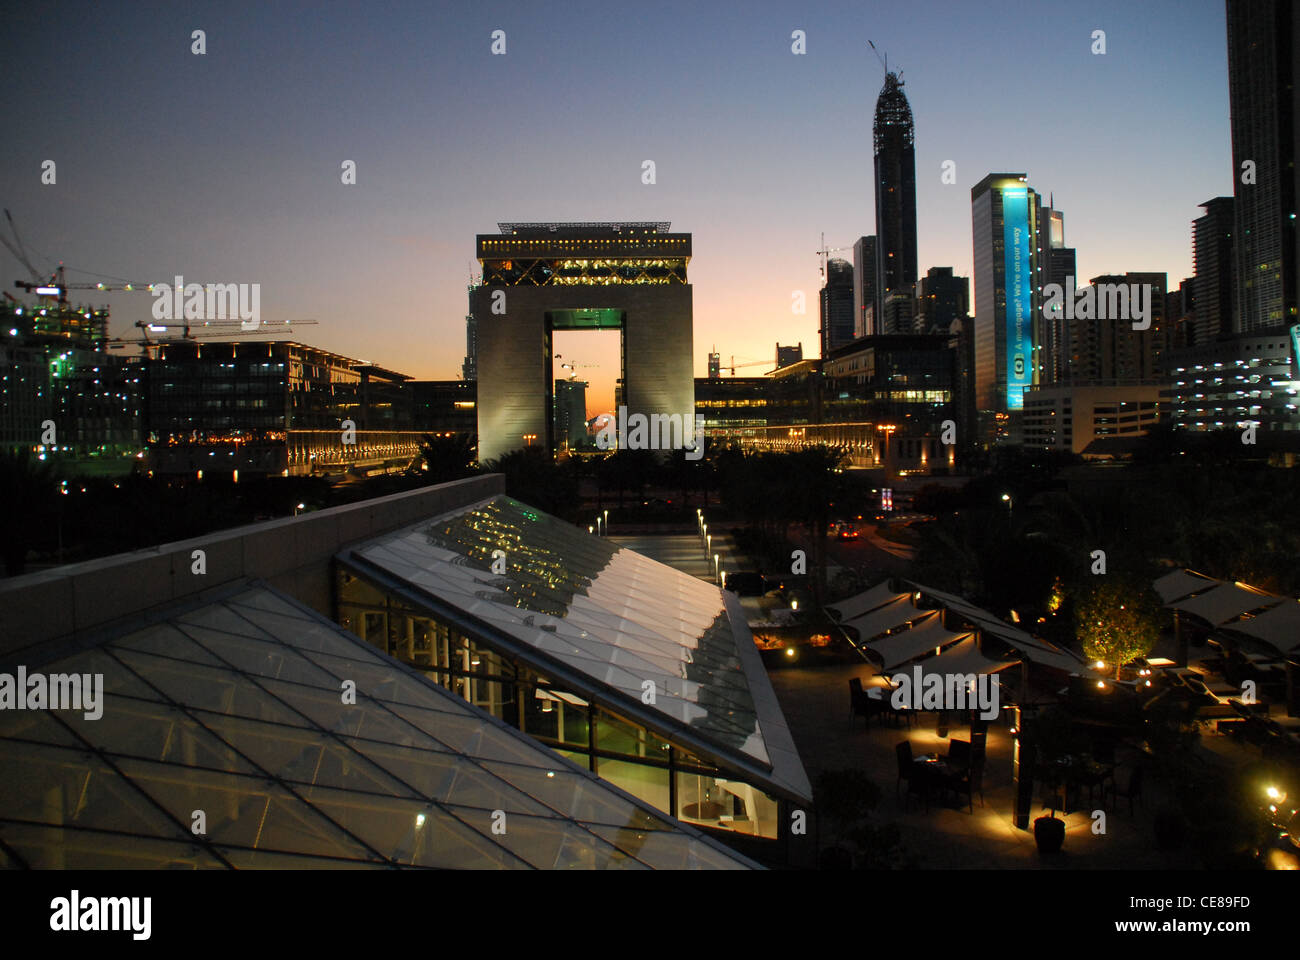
(1224, 602)
(868, 600)
(1030, 647)
(923, 638)
(1181, 584)
(888, 617)
(1278, 626)
(962, 658)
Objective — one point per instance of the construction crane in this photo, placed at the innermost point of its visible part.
(749, 363)
(825, 253)
(55, 286)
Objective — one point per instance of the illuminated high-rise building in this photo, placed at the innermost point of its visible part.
(895, 166)
(1058, 265)
(1004, 217)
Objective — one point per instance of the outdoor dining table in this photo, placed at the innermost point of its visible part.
(1074, 773)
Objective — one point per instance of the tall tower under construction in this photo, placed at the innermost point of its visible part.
(895, 160)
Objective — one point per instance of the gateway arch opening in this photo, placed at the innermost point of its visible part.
(586, 377)
(539, 278)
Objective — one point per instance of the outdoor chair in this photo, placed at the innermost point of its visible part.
(1132, 788)
(921, 782)
(970, 785)
(959, 755)
(903, 752)
(859, 702)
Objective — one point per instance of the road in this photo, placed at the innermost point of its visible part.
(871, 554)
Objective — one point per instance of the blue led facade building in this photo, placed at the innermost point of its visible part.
(1004, 213)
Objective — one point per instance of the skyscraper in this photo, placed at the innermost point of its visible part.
(1213, 291)
(864, 286)
(942, 299)
(570, 412)
(895, 158)
(1263, 41)
(1102, 349)
(1058, 263)
(836, 306)
(1004, 213)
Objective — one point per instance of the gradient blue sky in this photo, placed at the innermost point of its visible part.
(225, 167)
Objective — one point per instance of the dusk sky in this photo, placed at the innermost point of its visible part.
(226, 167)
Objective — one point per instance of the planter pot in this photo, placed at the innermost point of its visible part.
(1049, 834)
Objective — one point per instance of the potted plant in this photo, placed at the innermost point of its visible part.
(1053, 738)
(1049, 832)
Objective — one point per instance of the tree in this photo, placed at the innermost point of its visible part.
(1117, 622)
(449, 457)
(532, 477)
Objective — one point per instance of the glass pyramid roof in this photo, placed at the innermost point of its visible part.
(616, 616)
(234, 706)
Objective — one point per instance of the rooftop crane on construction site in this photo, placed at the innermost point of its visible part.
(749, 363)
(56, 286)
(825, 253)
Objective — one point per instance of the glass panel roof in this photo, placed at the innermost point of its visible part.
(235, 708)
(612, 614)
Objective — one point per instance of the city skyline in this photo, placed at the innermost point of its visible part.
(250, 186)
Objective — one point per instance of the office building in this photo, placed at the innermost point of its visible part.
(941, 299)
(837, 311)
(543, 277)
(58, 380)
(281, 408)
(570, 413)
(785, 356)
(1235, 381)
(1108, 348)
(1213, 259)
(1263, 44)
(1070, 417)
(898, 312)
(1004, 211)
(1058, 265)
(864, 285)
(895, 169)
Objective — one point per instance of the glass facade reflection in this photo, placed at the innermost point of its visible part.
(232, 707)
(639, 760)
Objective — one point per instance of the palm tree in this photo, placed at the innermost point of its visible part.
(449, 457)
